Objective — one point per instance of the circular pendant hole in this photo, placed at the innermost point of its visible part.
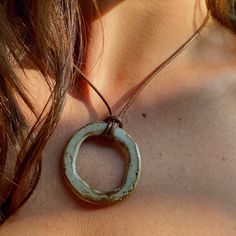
(102, 163)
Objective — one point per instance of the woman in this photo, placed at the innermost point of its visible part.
(183, 121)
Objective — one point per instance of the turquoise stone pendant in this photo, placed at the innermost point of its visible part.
(79, 186)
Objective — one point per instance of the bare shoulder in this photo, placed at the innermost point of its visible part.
(187, 141)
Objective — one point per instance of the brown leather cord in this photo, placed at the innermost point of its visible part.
(159, 68)
(113, 122)
(97, 91)
(146, 80)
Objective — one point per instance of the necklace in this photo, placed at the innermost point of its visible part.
(111, 128)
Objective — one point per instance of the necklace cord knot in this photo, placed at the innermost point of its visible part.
(112, 123)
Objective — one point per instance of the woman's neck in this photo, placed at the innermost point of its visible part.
(132, 38)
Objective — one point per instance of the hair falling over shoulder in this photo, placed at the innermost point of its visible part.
(49, 36)
(46, 35)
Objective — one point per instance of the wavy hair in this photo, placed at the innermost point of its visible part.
(48, 36)
(224, 11)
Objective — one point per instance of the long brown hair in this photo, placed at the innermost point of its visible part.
(224, 11)
(48, 35)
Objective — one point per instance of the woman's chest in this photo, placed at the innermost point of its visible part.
(188, 179)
